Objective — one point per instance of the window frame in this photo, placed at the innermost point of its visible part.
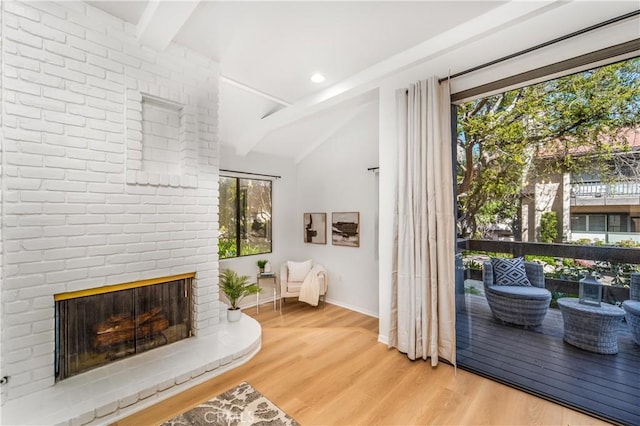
(239, 214)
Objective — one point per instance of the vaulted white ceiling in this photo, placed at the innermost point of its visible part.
(275, 47)
(269, 50)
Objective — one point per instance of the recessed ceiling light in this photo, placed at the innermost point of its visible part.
(317, 78)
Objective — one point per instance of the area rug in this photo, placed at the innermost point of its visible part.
(242, 405)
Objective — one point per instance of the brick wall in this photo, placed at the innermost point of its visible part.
(79, 209)
(2, 369)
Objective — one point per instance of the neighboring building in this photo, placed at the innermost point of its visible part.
(587, 207)
(608, 212)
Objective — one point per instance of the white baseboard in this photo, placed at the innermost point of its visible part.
(263, 301)
(353, 308)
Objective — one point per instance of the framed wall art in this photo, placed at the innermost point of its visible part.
(345, 229)
(315, 228)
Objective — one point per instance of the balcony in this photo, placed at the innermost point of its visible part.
(537, 359)
(596, 193)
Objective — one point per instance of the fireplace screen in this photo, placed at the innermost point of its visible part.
(96, 329)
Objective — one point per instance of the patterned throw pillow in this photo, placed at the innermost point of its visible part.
(510, 272)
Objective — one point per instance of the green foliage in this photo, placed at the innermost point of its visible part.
(471, 264)
(616, 274)
(244, 215)
(261, 263)
(502, 139)
(548, 227)
(628, 244)
(226, 248)
(248, 248)
(472, 290)
(236, 287)
(540, 259)
(555, 295)
(581, 242)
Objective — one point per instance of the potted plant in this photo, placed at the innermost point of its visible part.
(261, 264)
(236, 287)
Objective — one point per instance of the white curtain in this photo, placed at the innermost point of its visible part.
(423, 299)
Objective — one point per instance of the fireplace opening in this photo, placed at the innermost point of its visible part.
(96, 327)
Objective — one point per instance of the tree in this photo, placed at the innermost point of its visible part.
(227, 216)
(244, 215)
(548, 227)
(569, 124)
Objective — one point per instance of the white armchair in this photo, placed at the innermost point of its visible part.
(292, 274)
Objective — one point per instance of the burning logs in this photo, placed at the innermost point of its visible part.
(122, 328)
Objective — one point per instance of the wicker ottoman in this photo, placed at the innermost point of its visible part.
(592, 328)
(526, 306)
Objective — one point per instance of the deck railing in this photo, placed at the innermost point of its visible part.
(613, 255)
(569, 251)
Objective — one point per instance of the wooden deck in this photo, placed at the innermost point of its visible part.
(539, 361)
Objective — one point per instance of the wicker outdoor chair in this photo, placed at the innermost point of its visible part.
(632, 307)
(521, 305)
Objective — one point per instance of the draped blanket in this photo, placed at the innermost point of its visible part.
(310, 290)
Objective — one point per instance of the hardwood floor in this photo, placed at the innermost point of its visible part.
(324, 366)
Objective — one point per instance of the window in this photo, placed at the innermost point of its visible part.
(538, 127)
(245, 217)
(579, 222)
(617, 223)
(543, 127)
(597, 223)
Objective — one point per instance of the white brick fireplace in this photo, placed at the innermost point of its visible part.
(90, 120)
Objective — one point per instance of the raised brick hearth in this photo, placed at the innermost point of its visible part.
(109, 393)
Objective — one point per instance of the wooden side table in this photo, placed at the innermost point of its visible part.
(266, 277)
(592, 328)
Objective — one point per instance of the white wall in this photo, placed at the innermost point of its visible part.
(283, 212)
(388, 149)
(334, 178)
(78, 208)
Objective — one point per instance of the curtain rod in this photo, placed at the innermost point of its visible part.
(250, 173)
(545, 44)
(373, 169)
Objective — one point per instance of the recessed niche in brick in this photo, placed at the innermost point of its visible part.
(161, 144)
(161, 140)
